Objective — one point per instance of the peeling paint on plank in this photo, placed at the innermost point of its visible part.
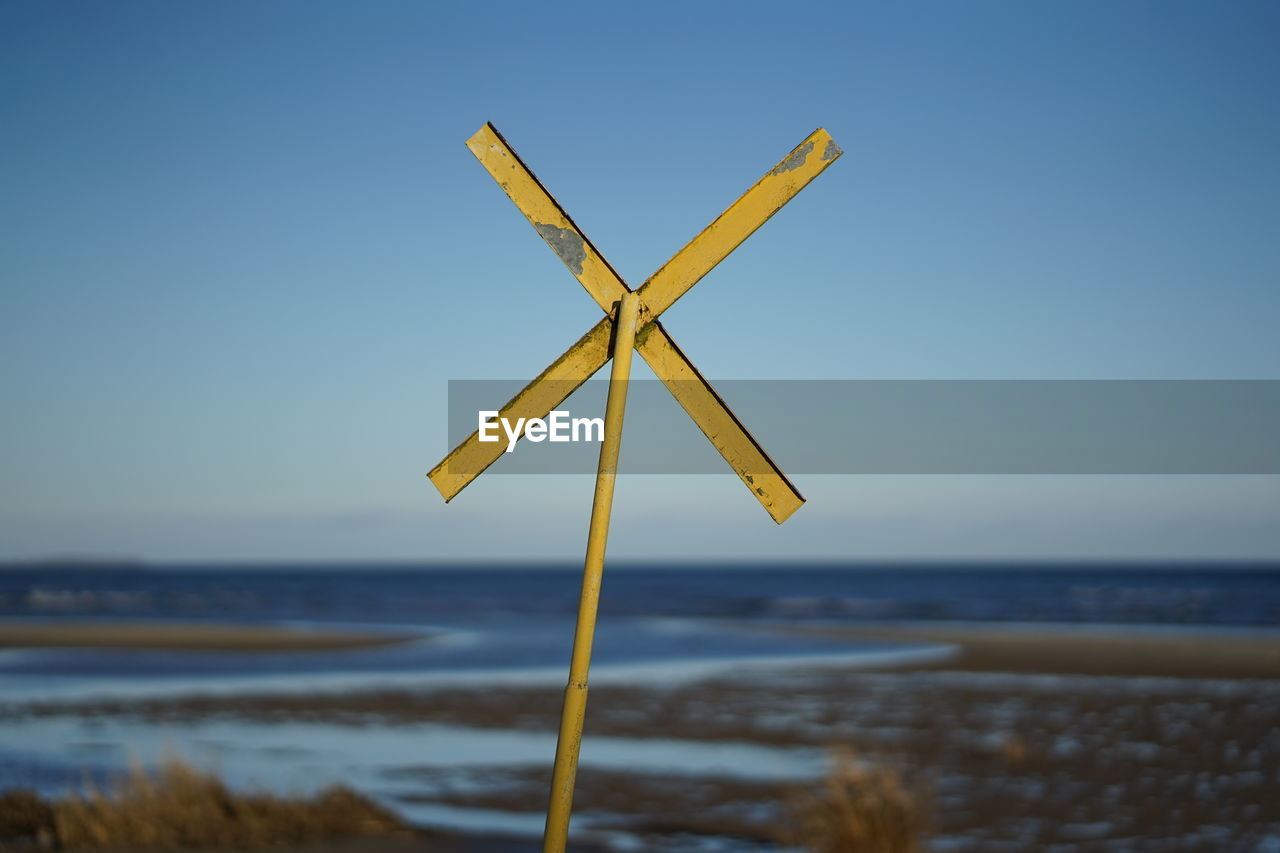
(643, 333)
(564, 242)
(832, 151)
(795, 160)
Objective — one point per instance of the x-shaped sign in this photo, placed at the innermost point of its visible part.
(695, 395)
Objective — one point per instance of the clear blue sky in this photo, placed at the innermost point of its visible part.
(244, 249)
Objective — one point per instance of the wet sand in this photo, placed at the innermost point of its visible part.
(423, 842)
(1025, 739)
(198, 636)
(1087, 650)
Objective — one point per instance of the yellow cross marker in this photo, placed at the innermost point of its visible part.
(695, 395)
(632, 324)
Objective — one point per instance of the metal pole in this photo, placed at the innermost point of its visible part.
(575, 694)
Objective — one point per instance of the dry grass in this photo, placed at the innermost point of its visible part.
(178, 806)
(863, 806)
(24, 815)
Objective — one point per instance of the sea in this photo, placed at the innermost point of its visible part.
(502, 616)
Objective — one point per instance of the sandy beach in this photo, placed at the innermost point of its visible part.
(1023, 739)
(195, 636)
(1084, 650)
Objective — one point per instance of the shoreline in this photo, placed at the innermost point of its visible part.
(1023, 648)
(1059, 649)
(189, 636)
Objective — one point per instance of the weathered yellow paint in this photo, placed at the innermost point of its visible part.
(695, 395)
(469, 459)
(779, 185)
(718, 423)
(531, 197)
(573, 712)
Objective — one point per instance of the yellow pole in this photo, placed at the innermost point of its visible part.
(575, 694)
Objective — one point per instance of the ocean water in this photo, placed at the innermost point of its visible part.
(1227, 593)
(507, 617)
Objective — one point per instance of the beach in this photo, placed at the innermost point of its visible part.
(198, 636)
(1074, 708)
(1019, 739)
(1083, 650)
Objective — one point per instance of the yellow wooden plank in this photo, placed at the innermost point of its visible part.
(779, 185)
(547, 217)
(718, 423)
(578, 363)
